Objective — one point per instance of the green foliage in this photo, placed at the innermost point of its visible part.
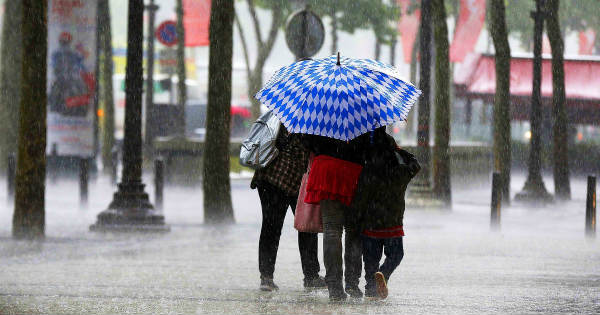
(574, 15)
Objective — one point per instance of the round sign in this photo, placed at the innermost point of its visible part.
(304, 33)
(166, 33)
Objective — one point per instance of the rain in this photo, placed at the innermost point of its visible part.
(151, 152)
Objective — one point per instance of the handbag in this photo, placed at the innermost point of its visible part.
(308, 216)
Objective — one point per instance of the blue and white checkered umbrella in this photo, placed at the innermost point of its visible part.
(338, 98)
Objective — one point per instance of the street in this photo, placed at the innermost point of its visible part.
(539, 262)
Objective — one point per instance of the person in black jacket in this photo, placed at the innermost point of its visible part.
(379, 204)
(278, 185)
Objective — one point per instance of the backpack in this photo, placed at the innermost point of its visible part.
(258, 149)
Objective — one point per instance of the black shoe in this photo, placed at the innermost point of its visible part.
(354, 292)
(337, 296)
(315, 283)
(267, 284)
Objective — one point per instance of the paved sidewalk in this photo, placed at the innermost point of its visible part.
(539, 262)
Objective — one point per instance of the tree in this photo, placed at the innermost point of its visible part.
(562, 187)
(10, 78)
(441, 159)
(255, 75)
(502, 148)
(28, 218)
(106, 74)
(217, 188)
(181, 88)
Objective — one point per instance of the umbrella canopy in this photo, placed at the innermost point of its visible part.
(338, 98)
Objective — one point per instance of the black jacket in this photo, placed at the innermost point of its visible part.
(351, 151)
(379, 198)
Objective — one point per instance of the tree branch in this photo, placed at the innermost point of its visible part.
(255, 21)
(244, 45)
(265, 50)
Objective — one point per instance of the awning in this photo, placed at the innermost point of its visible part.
(476, 78)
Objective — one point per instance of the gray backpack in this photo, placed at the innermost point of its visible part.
(259, 147)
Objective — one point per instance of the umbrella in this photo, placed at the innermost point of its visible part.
(338, 98)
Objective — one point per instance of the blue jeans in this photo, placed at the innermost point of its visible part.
(373, 249)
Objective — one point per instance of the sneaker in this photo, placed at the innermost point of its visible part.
(267, 284)
(382, 289)
(354, 292)
(315, 283)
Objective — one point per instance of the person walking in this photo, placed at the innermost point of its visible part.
(331, 184)
(278, 185)
(379, 206)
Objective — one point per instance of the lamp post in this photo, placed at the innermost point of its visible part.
(149, 136)
(534, 189)
(130, 208)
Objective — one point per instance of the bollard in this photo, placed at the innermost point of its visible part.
(83, 181)
(159, 182)
(114, 156)
(496, 201)
(590, 208)
(10, 176)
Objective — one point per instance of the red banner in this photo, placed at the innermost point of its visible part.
(408, 27)
(469, 25)
(196, 18)
(586, 42)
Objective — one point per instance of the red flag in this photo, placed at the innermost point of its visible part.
(469, 25)
(196, 18)
(586, 42)
(408, 26)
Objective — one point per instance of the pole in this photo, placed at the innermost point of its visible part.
(534, 189)
(10, 177)
(83, 181)
(130, 209)
(149, 136)
(159, 182)
(590, 208)
(496, 201)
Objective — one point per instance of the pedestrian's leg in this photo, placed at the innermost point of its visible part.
(352, 261)
(274, 208)
(309, 254)
(333, 225)
(372, 251)
(394, 252)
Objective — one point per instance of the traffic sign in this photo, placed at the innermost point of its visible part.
(304, 33)
(166, 33)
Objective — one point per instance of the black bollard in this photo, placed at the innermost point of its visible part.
(496, 201)
(10, 176)
(114, 155)
(590, 208)
(159, 182)
(83, 181)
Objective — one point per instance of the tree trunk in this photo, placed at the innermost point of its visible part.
(412, 115)
(562, 186)
(502, 148)
(217, 189)
(441, 160)
(106, 72)
(423, 149)
(10, 78)
(334, 29)
(393, 52)
(181, 88)
(377, 48)
(28, 219)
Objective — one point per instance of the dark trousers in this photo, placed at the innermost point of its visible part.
(373, 248)
(334, 223)
(274, 204)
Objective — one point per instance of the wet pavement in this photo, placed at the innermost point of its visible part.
(539, 262)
